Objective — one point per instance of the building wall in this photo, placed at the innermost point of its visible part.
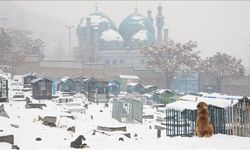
(234, 86)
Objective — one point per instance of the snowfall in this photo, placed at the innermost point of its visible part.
(29, 128)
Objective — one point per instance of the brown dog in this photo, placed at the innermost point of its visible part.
(203, 126)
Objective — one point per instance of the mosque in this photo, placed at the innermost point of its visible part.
(101, 42)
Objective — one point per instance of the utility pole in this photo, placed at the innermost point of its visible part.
(248, 66)
(69, 27)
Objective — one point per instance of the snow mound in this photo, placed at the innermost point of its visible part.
(137, 18)
(141, 35)
(111, 35)
(96, 19)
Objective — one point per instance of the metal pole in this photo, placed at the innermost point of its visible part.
(248, 63)
(4, 20)
(69, 28)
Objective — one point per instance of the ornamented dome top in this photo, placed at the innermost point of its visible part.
(133, 24)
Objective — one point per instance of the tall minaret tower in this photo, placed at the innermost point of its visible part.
(159, 24)
(149, 11)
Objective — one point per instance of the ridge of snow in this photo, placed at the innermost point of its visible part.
(111, 35)
(96, 19)
(137, 18)
(140, 35)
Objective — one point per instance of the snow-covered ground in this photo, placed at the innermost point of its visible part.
(59, 138)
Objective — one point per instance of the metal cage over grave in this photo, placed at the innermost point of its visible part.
(241, 118)
(66, 85)
(42, 88)
(127, 110)
(183, 122)
(97, 90)
(228, 115)
(181, 115)
(3, 88)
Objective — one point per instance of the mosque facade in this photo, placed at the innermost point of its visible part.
(102, 42)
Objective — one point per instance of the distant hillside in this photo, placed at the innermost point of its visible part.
(49, 29)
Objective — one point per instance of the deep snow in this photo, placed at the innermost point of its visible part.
(59, 138)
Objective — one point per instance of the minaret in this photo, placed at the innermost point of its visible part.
(96, 7)
(136, 8)
(89, 41)
(149, 11)
(88, 23)
(165, 32)
(159, 24)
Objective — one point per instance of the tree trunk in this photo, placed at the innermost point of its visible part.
(218, 85)
(168, 80)
(13, 69)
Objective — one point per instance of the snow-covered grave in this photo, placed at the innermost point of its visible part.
(26, 127)
(228, 114)
(191, 101)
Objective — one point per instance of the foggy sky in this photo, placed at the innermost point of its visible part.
(216, 26)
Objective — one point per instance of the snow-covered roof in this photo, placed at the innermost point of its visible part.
(133, 84)
(111, 35)
(160, 91)
(181, 105)
(222, 96)
(191, 101)
(97, 19)
(189, 98)
(65, 79)
(150, 86)
(129, 77)
(38, 79)
(137, 17)
(147, 95)
(4, 76)
(141, 35)
(30, 74)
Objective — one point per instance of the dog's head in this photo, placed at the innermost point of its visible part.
(202, 105)
(81, 137)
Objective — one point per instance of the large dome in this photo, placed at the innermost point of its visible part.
(133, 24)
(96, 19)
(104, 21)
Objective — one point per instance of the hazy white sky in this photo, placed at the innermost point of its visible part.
(216, 26)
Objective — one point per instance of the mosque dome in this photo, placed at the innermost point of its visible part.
(97, 19)
(135, 23)
(111, 38)
(102, 24)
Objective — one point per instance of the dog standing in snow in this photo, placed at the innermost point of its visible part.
(203, 126)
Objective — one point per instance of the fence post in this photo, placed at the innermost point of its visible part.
(158, 133)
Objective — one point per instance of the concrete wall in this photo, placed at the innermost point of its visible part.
(233, 86)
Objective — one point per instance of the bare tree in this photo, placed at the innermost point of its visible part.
(222, 65)
(169, 58)
(15, 45)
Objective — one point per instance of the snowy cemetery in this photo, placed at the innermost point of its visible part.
(78, 112)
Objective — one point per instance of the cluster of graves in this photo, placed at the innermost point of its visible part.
(43, 88)
(4, 82)
(228, 114)
(96, 90)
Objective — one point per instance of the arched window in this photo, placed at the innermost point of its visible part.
(121, 61)
(107, 62)
(114, 62)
